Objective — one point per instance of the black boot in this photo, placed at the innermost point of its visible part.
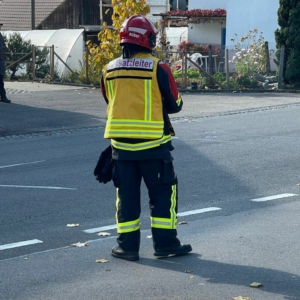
(4, 99)
(173, 250)
(118, 252)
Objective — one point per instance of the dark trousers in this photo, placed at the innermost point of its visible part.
(161, 183)
(2, 89)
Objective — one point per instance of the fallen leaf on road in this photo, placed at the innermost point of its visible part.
(80, 244)
(256, 284)
(103, 233)
(241, 298)
(191, 276)
(101, 260)
(182, 222)
(72, 225)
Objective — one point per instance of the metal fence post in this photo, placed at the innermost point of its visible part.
(268, 66)
(33, 62)
(86, 65)
(210, 62)
(52, 63)
(185, 71)
(227, 68)
(281, 66)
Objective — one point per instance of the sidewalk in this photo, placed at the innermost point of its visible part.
(41, 107)
(34, 86)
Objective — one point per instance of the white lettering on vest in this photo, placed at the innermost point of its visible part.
(139, 63)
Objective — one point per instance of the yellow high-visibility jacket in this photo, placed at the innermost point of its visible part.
(135, 106)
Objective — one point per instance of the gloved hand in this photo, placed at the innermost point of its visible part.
(103, 169)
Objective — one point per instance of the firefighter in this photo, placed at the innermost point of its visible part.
(140, 92)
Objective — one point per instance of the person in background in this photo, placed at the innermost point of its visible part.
(140, 91)
(3, 97)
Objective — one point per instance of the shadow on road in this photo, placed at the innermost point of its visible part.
(274, 281)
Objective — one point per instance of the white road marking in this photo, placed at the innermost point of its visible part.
(19, 244)
(273, 197)
(198, 211)
(93, 230)
(38, 187)
(187, 213)
(21, 164)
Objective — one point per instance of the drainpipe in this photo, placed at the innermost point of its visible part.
(32, 14)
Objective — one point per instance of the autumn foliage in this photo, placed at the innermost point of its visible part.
(109, 47)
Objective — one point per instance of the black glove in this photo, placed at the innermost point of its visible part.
(103, 169)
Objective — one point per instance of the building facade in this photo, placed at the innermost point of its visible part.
(58, 14)
(244, 15)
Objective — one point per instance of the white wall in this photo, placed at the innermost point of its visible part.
(157, 7)
(175, 35)
(209, 33)
(208, 4)
(245, 15)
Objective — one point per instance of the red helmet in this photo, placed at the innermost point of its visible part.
(138, 30)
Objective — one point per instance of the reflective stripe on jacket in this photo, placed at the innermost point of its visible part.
(135, 108)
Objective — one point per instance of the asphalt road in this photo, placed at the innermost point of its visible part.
(231, 151)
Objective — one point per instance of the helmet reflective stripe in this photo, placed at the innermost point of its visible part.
(136, 29)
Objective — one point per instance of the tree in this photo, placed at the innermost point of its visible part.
(288, 36)
(109, 47)
(16, 48)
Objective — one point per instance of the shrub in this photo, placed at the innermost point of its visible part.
(250, 57)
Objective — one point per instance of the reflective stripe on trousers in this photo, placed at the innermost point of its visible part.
(167, 223)
(125, 227)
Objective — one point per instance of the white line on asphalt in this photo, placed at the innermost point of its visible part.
(187, 213)
(198, 211)
(19, 244)
(93, 230)
(15, 165)
(38, 187)
(273, 197)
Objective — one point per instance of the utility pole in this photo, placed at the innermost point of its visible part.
(101, 13)
(32, 14)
